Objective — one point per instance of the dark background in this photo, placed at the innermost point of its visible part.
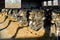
(2, 4)
(36, 3)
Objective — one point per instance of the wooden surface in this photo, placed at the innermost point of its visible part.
(25, 32)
